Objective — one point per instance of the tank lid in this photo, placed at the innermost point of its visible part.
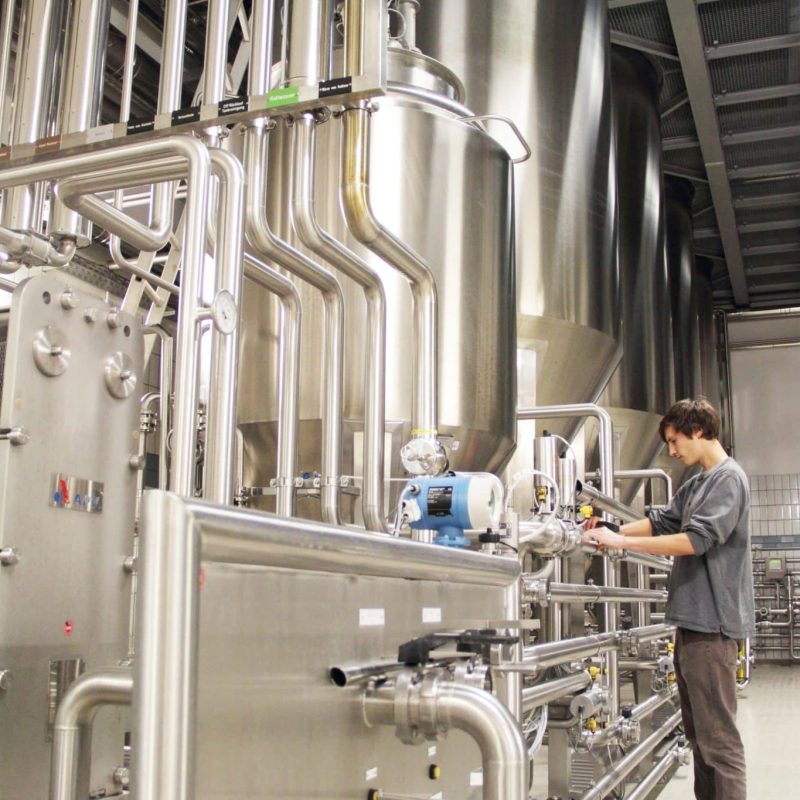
(408, 68)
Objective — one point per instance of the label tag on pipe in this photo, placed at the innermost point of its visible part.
(47, 145)
(141, 125)
(336, 86)
(476, 778)
(233, 105)
(284, 96)
(100, 134)
(185, 115)
(371, 617)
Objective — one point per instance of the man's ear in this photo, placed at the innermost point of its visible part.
(697, 433)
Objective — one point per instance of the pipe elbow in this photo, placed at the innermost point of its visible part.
(113, 686)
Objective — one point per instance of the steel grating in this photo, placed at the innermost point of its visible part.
(646, 20)
(770, 68)
(775, 151)
(690, 158)
(679, 123)
(755, 116)
(729, 21)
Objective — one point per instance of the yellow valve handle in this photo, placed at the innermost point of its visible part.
(591, 724)
(587, 512)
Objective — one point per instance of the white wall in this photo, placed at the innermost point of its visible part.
(765, 388)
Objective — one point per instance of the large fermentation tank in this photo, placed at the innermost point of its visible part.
(642, 388)
(546, 66)
(444, 187)
(703, 296)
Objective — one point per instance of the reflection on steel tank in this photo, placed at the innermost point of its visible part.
(444, 187)
(642, 388)
(546, 66)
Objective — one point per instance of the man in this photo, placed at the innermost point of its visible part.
(710, 591)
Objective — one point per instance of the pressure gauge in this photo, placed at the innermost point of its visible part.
(224, 312)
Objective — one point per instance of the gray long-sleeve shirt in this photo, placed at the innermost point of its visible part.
(711, 591)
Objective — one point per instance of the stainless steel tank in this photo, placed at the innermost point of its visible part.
(642, 388)
(703, 295)
(546, 66)
(445, 188)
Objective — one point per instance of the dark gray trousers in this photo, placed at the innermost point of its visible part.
(705, 666)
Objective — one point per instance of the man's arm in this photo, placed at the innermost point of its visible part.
(673, 544)
(641, 527)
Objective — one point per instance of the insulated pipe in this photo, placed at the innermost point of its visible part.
(339, 256)
(262, 238)
(588, 593)
(223, 379)
(474, 711)
(174, 531)
(81, 92)
(289, 358)
(610, 569)
(355, 196)
(535, 696)
(626, 765)
(76, 711)
(193, 255)
(39, 32)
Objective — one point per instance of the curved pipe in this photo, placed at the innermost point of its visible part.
(584, 493)
(289, 357)
(263, 239)
(339, 256)
(28, 248)
(361, 220)
(481, 716)
(75, 712)
(355, 194)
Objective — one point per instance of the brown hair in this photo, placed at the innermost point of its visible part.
(688, 416)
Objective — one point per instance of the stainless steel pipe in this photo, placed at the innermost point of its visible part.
(264, 240)
(534, 696)
(626, 765)
(646, 785)
(605, 502)
(641, 474)
(176, 533)
(289, 358)
(474, 711)
(339, 256)
(113, 686)
(589, 593)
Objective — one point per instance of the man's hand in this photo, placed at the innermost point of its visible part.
(603, 537)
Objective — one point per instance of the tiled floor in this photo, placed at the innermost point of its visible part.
(769, 721)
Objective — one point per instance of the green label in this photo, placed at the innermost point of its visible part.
(283, 97)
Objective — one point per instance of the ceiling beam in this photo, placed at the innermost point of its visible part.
(757, 95)
(626, 3)
(695, 175)
(768, 249)
(768, 200)
(689, 40)
(751, 46)
(673, 104)
(735, 137)
(752, 227)
(785, 169)
(679, 143)
(773, 269)
(644, 45)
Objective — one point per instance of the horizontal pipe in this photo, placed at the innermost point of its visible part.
(637, 713)
(588, 593)
(626, 765)
(640, 474)
(642, 789)
(544, 693)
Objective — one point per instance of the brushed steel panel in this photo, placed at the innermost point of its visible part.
(68, 596)
(270, 722)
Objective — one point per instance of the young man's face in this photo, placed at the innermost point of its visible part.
(685, 448)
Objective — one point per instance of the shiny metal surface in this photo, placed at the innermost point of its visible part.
(546, 66)
(703, 296)
(468, 247)
(642, 388)
(68, 597)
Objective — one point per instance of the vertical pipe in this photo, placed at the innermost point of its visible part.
(33, 70)
(221, 431)
(81, 93)
(264, 240)
(289, 359)
(6, 30)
